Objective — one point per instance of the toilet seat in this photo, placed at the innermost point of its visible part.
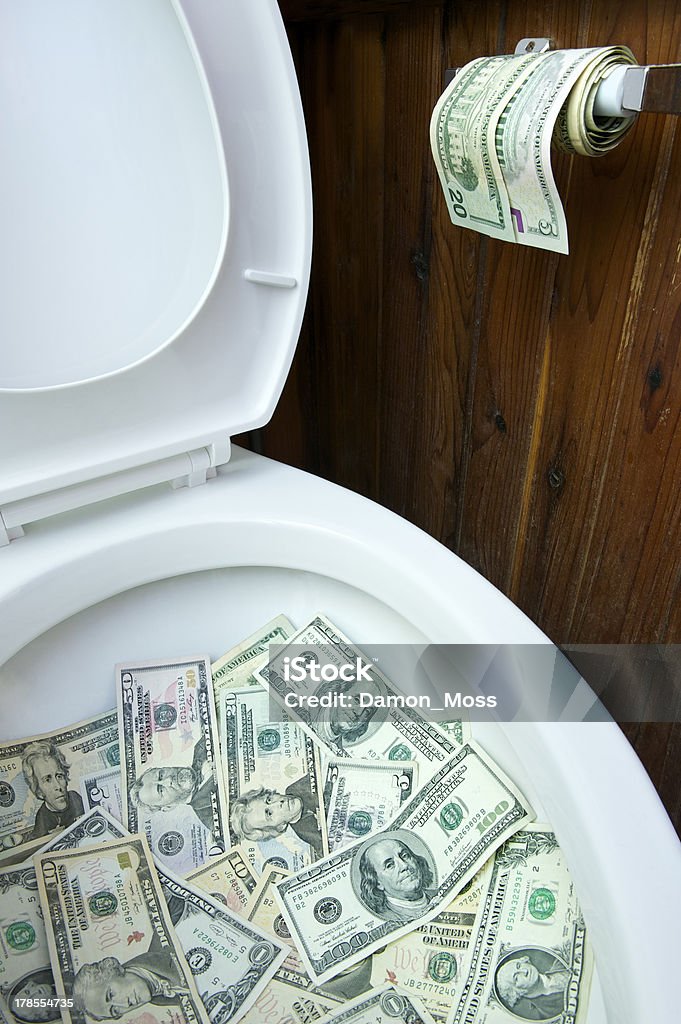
(76, 567)
(222, 370)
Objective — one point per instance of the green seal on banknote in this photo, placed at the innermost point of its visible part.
(268, 739)
(359, 823)
(20, 936)
(442, 967)
(113, 755)
(451, 816)
(400, 752)
(102, 903)
(542, 904)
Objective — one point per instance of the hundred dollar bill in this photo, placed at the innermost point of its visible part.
(25, 971)
(381, 1006)
(172, 779)
(428, 960)
(462, 137)
(530, 958)
(459, 729)
(40, 778)
(276, 809)
(357, 714)
(112, 944)
(231, 960)
(362, 796)
(229, 879)
(379, 888)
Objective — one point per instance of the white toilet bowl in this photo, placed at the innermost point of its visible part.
(155, 572)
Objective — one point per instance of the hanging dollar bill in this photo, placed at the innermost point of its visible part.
(356, 713)
(362, 796)
(25, 970)
(173, 786)
(276, 809)
(40, 778)
(231, 960)
(462, 137)
(111, 939)
(379, 888)
(491, 134)
(530, 958)
(229, 879)
(381, 1006)
(428, 961)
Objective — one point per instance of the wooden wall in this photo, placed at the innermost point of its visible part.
(522, 407)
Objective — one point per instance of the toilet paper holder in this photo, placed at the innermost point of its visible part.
(628, 90)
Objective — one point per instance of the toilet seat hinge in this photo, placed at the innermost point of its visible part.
(188, 469)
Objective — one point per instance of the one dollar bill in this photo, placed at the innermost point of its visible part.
(380, 1006)
(25, 970)
(530, 957)
(377, 889)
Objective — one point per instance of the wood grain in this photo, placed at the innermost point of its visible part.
(522, 407)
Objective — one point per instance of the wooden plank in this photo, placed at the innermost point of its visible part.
(603, 486)
(521, 407)
(508, 397)
(430, 276)
(341, 73)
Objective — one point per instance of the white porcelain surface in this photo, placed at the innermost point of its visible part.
(171, 572)
(166, 384)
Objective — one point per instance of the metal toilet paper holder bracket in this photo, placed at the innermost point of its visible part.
(629, 89)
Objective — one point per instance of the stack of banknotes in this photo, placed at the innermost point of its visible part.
(491, 133)
(216, 848)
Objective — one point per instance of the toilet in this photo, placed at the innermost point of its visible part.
(144, 325)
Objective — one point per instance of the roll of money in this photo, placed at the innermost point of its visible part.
(491, 133)
(578, 128)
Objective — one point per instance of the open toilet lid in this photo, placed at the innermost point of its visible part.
(156, 233)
